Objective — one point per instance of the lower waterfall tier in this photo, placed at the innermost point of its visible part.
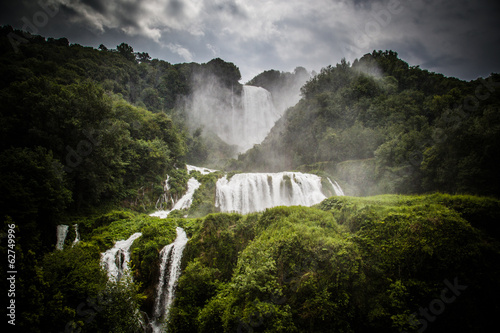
(253, 192)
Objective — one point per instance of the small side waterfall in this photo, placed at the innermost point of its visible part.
(184, 202)
(162, 200)
(254, 192)
(77, 235)
(336, 188)
(170, 264)
(62, 232)
(115, 260)
(203, 171)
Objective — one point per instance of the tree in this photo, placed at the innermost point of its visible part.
(126, 51)
(143, 57)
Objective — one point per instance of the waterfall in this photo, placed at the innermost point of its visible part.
(170, 270)
(259, 116)
(184, 202)
(203, 171)
(336, 188)
(162, 200)
(115, 260)
(77, 235)
(62, 231)
(254, 192)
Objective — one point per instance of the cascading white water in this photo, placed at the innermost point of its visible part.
(254, 192)
(336, 188)
(77, 235)
(240, 120)
(62, 231)
(203, 171)
(162, 200)
(170, 264)
(115, 260)
(184, 202)
(259, 116)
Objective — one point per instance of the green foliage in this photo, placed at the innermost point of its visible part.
(156, 233)
(204, 197)
(117, 309)
(356, 265)
(34, 193)
(198, 284)
(410, 245)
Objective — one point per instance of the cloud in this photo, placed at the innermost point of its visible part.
(145, 18)
(182, 51)
(458, 38)
(215, 50)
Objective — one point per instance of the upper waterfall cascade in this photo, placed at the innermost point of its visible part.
(254, 192)
(240, 119)
(257, 118)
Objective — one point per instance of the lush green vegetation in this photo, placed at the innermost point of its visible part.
(374, 264)
(348, 265)
(423, 131)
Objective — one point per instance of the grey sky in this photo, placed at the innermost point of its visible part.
(457, 38)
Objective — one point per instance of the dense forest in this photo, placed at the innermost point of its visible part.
(88, 137)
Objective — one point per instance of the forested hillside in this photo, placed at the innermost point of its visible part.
(382, 126)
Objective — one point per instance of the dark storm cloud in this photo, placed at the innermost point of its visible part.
(458, 38)
(175, 7)
(97, 5)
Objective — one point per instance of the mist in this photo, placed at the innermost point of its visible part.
(241, 115)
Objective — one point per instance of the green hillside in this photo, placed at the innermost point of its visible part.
(347, 265)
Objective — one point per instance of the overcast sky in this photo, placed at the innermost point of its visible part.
(455, 37)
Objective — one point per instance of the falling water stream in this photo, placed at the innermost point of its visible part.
(115, 260)
(77, 235)
(184, 202)
(62, 232)
(170, 270)
(253, 192)
(257, 118)
(336, 188)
